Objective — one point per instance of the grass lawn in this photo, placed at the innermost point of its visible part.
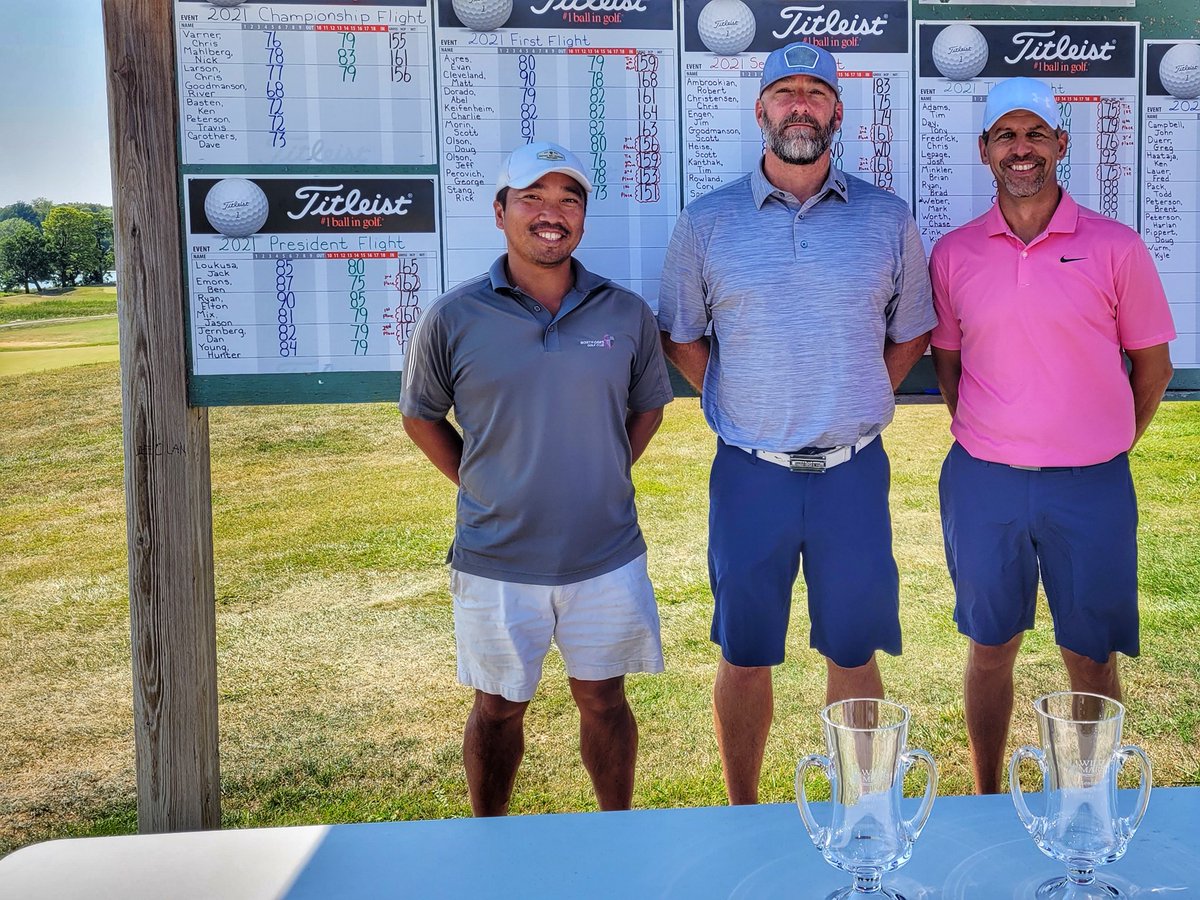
(97, 300)
(338, 699)
(30, 343)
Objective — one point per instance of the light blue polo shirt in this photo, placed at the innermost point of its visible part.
(799, 299)
(546, 495)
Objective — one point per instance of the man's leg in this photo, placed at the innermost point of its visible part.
(853, 581)
(1092, 677)
(493, 744)
(859, 681)
(988, 701)
(608, 739)
(742, 708)
(1089, 567)
(986, 523)
(754, 537)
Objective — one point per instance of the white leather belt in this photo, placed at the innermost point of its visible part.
(814, 461)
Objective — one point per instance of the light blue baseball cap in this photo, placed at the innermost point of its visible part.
(1022, 93)
(799, 58)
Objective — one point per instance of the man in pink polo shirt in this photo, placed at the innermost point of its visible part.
(1040, 301)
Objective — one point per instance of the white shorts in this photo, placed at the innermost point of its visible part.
(604, 627)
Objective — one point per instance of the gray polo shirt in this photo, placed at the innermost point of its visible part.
(546, 495)
(800, 298)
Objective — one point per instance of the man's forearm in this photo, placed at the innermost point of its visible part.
(947, 364)
(900, 358)
(1149, 376)
(439, 441)
(691, 359)
(640, 427)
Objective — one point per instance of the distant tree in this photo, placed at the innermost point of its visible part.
(42, 207)
(102, 230)
(89, 207)
(20, 210)
(71, 243)
(23, 257)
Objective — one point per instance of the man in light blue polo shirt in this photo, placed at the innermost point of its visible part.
(557, 381)
(796, 299)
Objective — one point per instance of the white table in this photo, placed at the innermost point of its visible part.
(973, 847)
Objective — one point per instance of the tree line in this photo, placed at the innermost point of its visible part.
(68, 243)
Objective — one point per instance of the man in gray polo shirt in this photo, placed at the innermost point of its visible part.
(557, 381)
(796, 299)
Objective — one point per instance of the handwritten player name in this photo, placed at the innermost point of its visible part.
(1031, 48)
(799, 21)
(327, 201)
(589, 5)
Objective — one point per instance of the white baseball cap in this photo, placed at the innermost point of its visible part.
(529, 162)
(1027, 94)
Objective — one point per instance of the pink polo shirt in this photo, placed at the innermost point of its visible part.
(1041, 328)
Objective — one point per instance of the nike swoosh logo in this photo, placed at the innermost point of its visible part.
(1071, 258)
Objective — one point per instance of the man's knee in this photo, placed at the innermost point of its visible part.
(994, 657)
(494, 711)
(1089, 675)
(743, 676)
(599, 698)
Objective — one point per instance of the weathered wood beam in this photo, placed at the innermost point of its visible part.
(167, 480)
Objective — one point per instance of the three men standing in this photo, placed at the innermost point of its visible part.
(557, 382)
(1037, 299)
(795, 299)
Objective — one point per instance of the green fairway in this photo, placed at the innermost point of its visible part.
(338, 699)
(20, 362)
(58, 344)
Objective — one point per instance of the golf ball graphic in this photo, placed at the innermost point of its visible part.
(226, 2)
(1180, 71)
(483, 15)
(236, 207)
(960, 52)
(726, 26)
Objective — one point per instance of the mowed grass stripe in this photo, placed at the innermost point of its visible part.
(338, 699)
(37, 347)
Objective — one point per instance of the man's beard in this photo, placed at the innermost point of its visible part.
(798, 148)
(1025, 187)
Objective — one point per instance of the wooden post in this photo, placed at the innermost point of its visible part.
(167, 484)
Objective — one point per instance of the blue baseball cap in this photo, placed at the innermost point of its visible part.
(1022, 93)
(799, 58)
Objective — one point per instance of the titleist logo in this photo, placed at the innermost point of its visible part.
(1036, 46)
(328, 201)
(589, 5)
(813, 20)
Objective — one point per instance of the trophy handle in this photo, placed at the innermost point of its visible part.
(1035, 825)
(913, 826)
(1130, 823)
(819, 834)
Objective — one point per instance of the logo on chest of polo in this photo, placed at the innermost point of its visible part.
(604, 343)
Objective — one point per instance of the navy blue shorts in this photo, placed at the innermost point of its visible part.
(1078, 526)
(763, 519)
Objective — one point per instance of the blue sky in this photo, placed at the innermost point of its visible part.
(53, 110)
